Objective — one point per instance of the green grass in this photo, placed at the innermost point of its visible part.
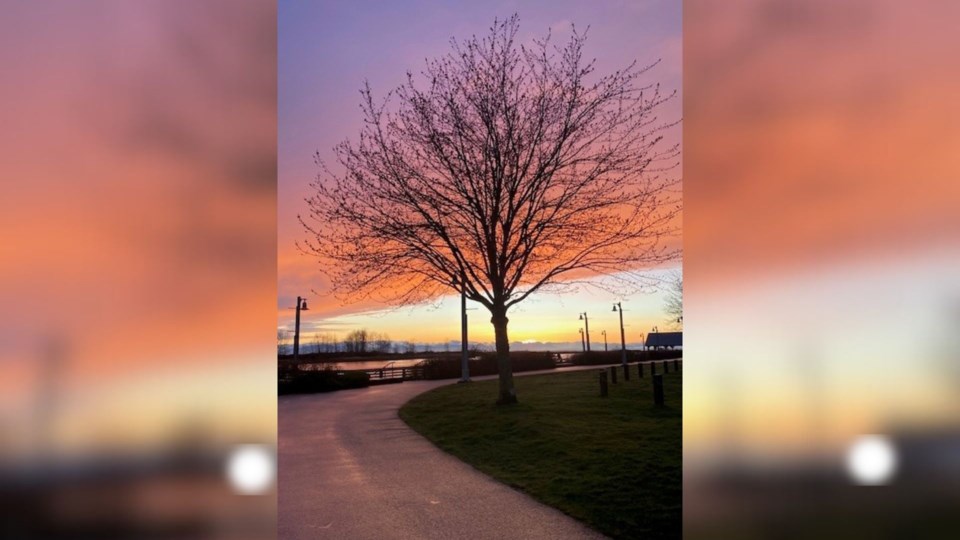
(613, 463)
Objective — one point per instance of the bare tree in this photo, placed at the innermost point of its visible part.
(356, 341)
(674, 301)
(380, 342)
(328, 343)
(502, 169)
(282, 346)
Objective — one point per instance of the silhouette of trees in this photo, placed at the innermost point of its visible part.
(324, 343)
(356, 341)
(380, 342)
(363, 341)
(329, 343)
(501, 169)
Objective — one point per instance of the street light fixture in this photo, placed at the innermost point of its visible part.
(623, 340)
(586, 323)
(301, 306)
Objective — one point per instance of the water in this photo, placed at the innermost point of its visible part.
(365, 365)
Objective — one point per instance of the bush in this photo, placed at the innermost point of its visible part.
(321, 380)
(596, 358)
(486, 364)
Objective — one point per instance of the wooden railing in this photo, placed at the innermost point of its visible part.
(393, 373)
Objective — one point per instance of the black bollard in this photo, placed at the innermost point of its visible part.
(653, 369)
(603, 383)
(626, 372)
(658, 390)
(613, 374)
(676, 364)
(640, 369)
(666, 366)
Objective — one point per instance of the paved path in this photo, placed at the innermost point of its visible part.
(350, 468)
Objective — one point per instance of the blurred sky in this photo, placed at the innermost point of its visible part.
(822, 247)
(138, 204)
(822, 225)
(327, 50)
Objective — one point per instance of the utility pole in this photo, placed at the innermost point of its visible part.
(623, 340)
(604, 340)
(586, 323)
(465, 355)
(301, 305)
(583, 344)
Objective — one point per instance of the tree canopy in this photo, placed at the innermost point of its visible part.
(499, 169)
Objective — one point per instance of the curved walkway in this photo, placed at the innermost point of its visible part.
(350, 468)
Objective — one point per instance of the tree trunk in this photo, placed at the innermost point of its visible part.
(507, 392)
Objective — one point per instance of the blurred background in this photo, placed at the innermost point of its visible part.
(138, 270)
(822, 242)
(137, 266)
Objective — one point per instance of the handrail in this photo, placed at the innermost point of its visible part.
(397, 372)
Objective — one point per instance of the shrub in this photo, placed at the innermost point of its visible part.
(485, 363)
(321, 380)
(595, 358)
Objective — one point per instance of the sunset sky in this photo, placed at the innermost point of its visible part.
(821, 223)
(326, 51)
(139, 143)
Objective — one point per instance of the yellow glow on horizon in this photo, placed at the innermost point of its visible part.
(880, 359)
(540, 318)
(170, 407)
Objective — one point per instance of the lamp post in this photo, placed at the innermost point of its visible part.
(301, 306)
(464, 354)
(623, 340)
(586, 323)
(604, 340)
(583, 343)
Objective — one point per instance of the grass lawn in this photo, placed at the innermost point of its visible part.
(613, 463)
